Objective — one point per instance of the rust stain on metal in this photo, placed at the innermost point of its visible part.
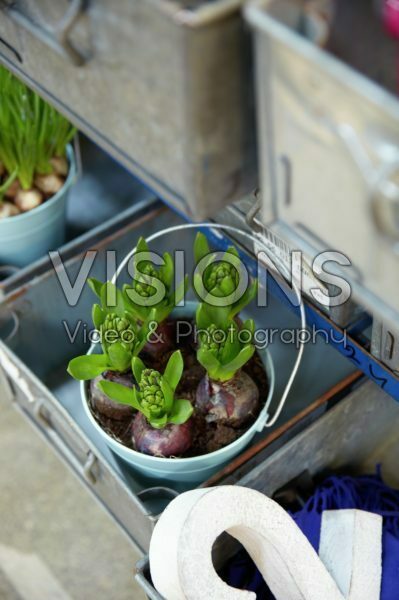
(19, 292)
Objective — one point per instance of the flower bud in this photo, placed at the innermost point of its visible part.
(121, 328)
(146, 290)
(220, 271)
(151, 393)
(212, 340)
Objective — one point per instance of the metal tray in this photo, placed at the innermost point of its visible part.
(329, 155)
(163, 86)
(51, 399)
(318, 450)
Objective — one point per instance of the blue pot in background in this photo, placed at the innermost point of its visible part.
(27, 237)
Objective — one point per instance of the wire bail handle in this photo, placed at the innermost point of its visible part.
(260, 240)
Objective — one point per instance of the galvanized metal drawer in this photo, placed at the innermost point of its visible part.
(318, 449)
(37, 404)
(51, 399)
(336, 441)
(163, 86)
(329, 155)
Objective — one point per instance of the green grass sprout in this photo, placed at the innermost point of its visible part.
(31, 131)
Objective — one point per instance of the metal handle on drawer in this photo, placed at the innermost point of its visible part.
(154, 493)
(57, 36)
(257, 237)
(14, 329)
(15, 375)
(8, 271)
(384, 193)
(85, 469)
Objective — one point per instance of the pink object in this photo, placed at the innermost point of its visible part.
(390, 15)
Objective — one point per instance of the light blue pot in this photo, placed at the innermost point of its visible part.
(29, 236)
(197, 468)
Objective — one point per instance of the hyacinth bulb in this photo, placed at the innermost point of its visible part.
(172, 440)
(103, 404)
(231, 402)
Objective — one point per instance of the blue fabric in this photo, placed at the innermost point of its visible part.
(365, 493)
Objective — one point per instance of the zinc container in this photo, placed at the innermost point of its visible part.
(50, 399)
(163, 86)
(329, 154)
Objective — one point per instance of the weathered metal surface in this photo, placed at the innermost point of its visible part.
(165, 87)
(43, 392)
(338, 441)
(143, 577)
(259, 452)
(343, 323)
(36, 403)
(40, 310)
(329, 156)
(245, 214)
(385, 344)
